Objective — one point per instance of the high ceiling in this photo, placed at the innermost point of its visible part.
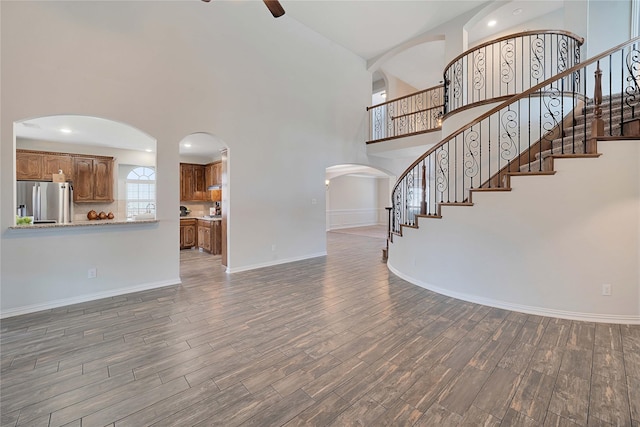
(372, 28)
(366, 28)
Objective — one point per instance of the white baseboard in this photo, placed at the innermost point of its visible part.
(538, 311)
(84, 298)
(275, 262)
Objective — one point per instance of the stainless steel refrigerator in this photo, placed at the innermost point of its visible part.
(47, 202)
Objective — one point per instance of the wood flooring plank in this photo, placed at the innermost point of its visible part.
(321, 413)
(532, 397)
(476, 417)
(127, 407)
(634, 398)
(609, 336)
(570, 398)
(609, 401)
(426, 389)
(169, 406)
(458, 396)
(497, 392)
(282, 410)
(208, 408)
(399, 414)
(439, 416)
(362, 413)
(335, 340)
(554, 420)
(98, 402)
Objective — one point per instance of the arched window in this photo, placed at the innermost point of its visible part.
(141, 191)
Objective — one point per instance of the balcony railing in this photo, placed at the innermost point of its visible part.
(413, 114)
(507, 66)
(554, 117)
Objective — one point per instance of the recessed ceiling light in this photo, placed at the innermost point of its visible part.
(517, 11)
(148, 150)
(187, 145)
(65, 130)
(492, 23)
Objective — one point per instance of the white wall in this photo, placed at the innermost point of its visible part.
(356, 201)
(286, 101)
(546, 247)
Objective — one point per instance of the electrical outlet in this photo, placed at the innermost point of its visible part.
(314, 201)
(92, 273)
(273, 248)
(606, 289)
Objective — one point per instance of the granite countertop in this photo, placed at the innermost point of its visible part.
(211, 218)
(204, 218)
(104, 222)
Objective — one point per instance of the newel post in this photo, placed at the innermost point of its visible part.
(385, 251)
(423, 205)
(597, 125)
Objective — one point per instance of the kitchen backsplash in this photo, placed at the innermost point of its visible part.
(119, 209)
(197, 209)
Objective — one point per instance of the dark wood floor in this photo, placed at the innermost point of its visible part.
(332, 341)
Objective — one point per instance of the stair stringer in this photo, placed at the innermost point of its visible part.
(544, 248)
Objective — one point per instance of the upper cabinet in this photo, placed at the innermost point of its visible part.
(52, 163)
(29, 166)
(195, 181)
(192, 182)
(92, 176)
(213, 173)
(40, 166)
(93, 179)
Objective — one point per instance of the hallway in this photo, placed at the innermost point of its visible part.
(336, 340)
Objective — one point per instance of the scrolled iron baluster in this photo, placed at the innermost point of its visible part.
(442, 169)
(509, 124)
(552, 103)
(563, 54)
(457, 83)
(479, 70)
(507, 54)
(470, 164)
(537, 58)
(390, 113)
(397, 209)
(632, 90)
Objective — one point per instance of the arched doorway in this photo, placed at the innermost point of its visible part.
(204, 195)
(357, 196)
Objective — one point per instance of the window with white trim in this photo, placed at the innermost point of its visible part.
(141, 191)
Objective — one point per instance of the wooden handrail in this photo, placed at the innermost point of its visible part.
(512, 100)
(579, 39)
(416, 112)
(406, 96)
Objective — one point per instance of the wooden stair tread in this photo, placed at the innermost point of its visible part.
(531, 173)
(492, 189)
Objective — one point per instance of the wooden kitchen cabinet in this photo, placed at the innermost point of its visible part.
(188, 236)
(204, 235)
(213, 176)
(28, 165)
(52, 163)
(192, 182)
(209, 236)
(92, 179)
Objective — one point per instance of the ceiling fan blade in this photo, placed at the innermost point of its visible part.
(274, 7)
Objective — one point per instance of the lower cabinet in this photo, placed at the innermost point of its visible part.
(188, 236)
(210, 236)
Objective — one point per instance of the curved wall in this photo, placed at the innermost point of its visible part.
(546, 247)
